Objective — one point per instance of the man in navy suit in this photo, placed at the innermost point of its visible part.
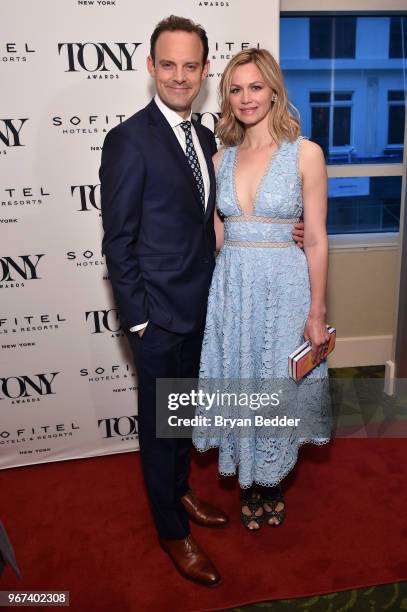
(158, 197)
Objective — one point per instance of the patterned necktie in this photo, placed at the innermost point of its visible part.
(193, 160)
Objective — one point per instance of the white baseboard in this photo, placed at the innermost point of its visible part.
(361, 351)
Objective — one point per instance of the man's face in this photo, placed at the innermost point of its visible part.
(178, 70)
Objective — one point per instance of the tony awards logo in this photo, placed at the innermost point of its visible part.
(101, 321)
(214, 3)
(15, 270)
(87, 197)
(11, 133)
(100, 60)
(22, 389)
(125, 427)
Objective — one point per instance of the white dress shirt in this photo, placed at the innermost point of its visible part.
(175, 120)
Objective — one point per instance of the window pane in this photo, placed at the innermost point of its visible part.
(398, 36)
(345, 36)
(343, 96)
(319, 96)
(332, 37)
(396, 125)
(395, 95)
(361, 204)
(364, 81)
(320, 41)
(341, 135)
(320, 126)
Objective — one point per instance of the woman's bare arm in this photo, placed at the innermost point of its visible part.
(315, 188)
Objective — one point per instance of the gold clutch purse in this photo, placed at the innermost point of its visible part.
(300, 362)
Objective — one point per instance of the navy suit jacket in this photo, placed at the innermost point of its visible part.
(158, 242)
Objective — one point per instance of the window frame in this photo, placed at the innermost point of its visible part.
(332, 104)
(303, 8)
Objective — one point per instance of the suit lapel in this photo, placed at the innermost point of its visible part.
(164, 132)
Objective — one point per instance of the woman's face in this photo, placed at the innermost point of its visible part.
(249, 95)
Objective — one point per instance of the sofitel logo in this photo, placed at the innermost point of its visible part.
(233, 47)
(10, 132)
(89, 196)
(23, 389)
(24, 196)
(225, 51)
(30, 323)
(92, 124)
(15, 53)
(113, 372)
(85, 259)
(99, 57)
(23, 267)
(104, 320)
(39, 432)
(124, 427)
(18, 199)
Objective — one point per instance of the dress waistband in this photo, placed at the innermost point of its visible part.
(260, 219)
(247, 243)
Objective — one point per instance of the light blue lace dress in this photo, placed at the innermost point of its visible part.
(258, 305)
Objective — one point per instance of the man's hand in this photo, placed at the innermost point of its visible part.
(298, 234)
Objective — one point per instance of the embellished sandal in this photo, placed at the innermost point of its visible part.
(254, 503)
(272, 499)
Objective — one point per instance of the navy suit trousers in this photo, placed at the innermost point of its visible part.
(164, 354)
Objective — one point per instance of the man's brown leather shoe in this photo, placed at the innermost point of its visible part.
(191, 561)
(203, 513)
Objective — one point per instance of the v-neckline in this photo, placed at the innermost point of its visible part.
(259, 186)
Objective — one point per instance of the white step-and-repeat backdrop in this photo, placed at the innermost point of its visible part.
(70, 71)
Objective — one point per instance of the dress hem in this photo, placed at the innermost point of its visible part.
(263, 483)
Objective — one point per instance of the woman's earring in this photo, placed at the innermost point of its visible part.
(274, 97)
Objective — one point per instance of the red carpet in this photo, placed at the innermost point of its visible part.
(84, 526)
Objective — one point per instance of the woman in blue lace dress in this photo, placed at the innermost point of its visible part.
(267, 294)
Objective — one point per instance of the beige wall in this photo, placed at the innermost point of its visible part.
(362, 288)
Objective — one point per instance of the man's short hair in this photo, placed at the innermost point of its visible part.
(174, 24)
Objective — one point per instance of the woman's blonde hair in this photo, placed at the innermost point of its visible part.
(283, 122)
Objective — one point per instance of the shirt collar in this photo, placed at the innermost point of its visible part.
(172, 117)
